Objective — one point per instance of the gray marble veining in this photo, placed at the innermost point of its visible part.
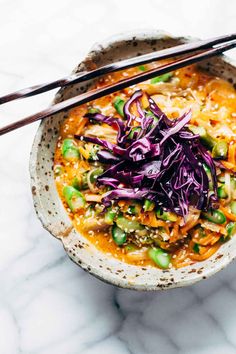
(47, 304)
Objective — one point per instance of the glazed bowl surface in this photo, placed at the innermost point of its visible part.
(49, 207)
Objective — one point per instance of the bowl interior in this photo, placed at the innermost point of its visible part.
(49, 206)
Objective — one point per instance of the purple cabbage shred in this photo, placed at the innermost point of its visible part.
(155, 158)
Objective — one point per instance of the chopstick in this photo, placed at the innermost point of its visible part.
(97, 93)
(123, 64)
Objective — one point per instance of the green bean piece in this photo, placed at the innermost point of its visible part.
(130, 247)
(80, 183)
(196, 248)
(118, 235)
(131, 210)
(69, 150)
(231, 228)
(119, 105)
(215, 216)
(220, 150)
(128, 225)
(166, 215)
(201, 232)
(74, 198)
(205, 138)
(109, 217)
(94, 174)
(233, 207)
(161, 78)
(221, 192)
(160, 257)
(93, 110)
(142, 68)
(134, 209)
(149, 205)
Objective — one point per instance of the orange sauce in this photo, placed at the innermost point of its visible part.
(213, 103)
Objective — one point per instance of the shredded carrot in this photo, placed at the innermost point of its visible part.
(208, 240)
(229, 215)
(229, 165)
(81, 124)
(175, 234)
(205, 252)
(150, 219)
(84, 152)
(231, 153)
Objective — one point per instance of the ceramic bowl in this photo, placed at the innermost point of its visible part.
(49, 207)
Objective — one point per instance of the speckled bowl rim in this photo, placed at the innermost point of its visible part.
(161, 280)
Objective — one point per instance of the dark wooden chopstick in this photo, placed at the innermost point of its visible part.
(123, 64)
(97, 93)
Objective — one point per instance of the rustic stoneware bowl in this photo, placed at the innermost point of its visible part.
(49, 207)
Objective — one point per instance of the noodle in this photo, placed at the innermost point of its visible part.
(144, 228)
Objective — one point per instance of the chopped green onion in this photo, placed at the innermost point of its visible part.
(161, 78)
(118, 235)
(93, 174)
(201, 232)
(160, 257)
(149, 205)
(119, 105)
(221, 192)
(133, 131)
(220, 150)
(74, 198)
(196, 248)
(166, 215)
(80, 183)
(215, 216)
(130, 247)
(131, 210)
(93, 110)
(142, 68)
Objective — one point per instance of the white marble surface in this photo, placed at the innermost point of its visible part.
(47, 304)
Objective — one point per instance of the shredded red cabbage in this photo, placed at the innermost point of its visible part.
(155, 158)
